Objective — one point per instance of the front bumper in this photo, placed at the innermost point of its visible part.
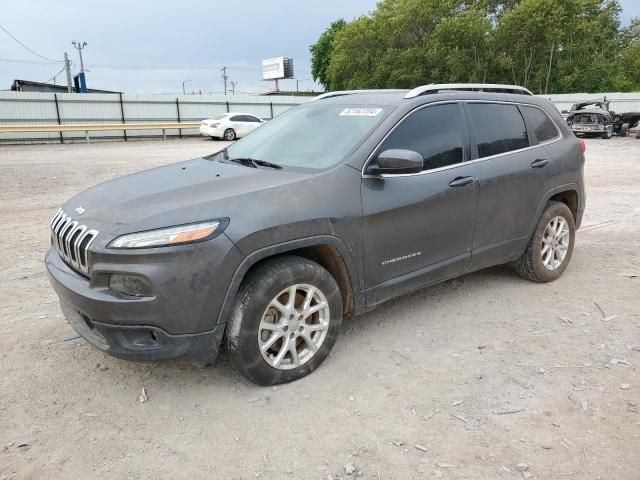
(189, 284)
(145, 343)
(588, 129)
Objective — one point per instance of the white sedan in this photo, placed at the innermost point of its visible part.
(229, 126)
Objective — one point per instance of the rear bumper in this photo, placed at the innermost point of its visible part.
(211, 132)
(145, 343)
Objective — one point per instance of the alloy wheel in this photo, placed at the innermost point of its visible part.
(555, 243)
(293, 326)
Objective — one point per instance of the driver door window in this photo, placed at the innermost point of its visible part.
(434, 132)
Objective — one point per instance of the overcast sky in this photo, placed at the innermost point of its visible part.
(150, 46)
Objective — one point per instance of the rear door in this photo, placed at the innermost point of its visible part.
(252, 123)
(418, 228)
(239, 125)
(512, 169)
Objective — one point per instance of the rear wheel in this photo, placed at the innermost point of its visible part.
(607, 134)
(229, 134)
(285, 321)
(549, 250)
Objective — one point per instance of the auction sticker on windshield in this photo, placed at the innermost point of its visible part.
(360, 112)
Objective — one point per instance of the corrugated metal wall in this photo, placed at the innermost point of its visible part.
(68, 108)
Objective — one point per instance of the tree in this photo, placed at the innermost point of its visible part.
(527, 37)
(630, 57)
(321, 52)
(460, 49)
(546, 45)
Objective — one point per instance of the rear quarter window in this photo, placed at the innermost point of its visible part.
(498, 128)
(543, 127)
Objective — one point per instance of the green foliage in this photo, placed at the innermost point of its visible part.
(630, 58)
(321, 53)
(546, 45)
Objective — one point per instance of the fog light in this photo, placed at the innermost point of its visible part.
(133, 285)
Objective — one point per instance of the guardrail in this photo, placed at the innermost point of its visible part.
(98, 127)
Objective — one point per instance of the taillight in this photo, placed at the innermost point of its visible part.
(583, 145)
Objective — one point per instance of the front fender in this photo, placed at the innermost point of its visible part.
(285, 247)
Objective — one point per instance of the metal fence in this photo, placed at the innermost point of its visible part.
(24, 108)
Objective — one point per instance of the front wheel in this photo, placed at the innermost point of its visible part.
(624, 130)
(549, 250)
(285, 320)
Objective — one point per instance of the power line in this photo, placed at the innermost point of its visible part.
(52, 78)
(30, 62)
(27, 48)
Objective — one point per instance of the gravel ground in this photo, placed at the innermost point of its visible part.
(466, 379)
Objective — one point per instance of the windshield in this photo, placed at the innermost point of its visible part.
(312, 135)
(218, 117)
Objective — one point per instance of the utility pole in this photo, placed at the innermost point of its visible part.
(225, 77)
(183, 90)
(233, 87)
(67, 69)
(79, 46)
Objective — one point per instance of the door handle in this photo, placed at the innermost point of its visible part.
(539, 163)
(461, 181)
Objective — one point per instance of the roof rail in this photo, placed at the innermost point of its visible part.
(339, 93)
(472, 87)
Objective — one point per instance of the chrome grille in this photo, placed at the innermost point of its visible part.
(71, 240)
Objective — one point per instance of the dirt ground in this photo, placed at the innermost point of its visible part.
(466, 379)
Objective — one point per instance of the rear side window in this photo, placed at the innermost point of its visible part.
(433, 132)
(542, 125)
(237, 118)
(498, 128)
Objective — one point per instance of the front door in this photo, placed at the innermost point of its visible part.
(418, 228)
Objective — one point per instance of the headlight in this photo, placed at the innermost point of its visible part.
(164, 237)
(214, 125)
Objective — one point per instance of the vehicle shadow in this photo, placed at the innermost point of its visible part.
(392, 316)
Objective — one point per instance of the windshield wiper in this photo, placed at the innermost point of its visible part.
(255, 163)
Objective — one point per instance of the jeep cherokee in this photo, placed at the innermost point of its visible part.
(328, 210)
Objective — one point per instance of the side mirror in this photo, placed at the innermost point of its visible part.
(396, 161)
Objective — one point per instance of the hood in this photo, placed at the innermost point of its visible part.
(191, 191)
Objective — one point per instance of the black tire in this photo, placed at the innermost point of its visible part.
(262, 285)
(624, 130)
(607, 135)
(530, 265)
(229, 135)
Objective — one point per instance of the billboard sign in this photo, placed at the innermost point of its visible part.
(277, 68)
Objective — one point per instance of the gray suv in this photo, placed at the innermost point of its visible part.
(323, 213)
